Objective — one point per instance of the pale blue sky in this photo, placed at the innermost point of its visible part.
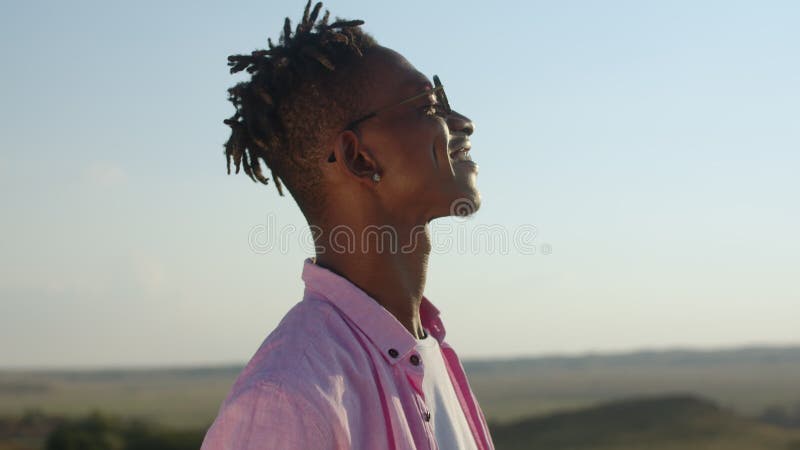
(653, 145)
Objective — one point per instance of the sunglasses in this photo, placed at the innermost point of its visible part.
(438, 91)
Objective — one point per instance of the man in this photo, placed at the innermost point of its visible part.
(371, 151)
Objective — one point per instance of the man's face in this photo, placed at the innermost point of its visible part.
(423, 155)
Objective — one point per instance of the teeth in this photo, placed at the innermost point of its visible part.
(461, 155)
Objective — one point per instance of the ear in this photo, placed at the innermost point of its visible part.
(353, 157)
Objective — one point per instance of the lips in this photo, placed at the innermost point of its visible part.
(459, 150)
(461, 155)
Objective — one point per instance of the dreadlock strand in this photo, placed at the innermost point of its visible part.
(346, 24)
(233, 147)
(227, 160)
(233, 150)
(305, 12)
(324, 22)
(238, 63)
(308, 19)
(246, 164)
(277, 181)
(319, 57)
(315, 13)
(286, 38)
(256, 169)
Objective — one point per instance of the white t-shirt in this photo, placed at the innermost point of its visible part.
(447, 417)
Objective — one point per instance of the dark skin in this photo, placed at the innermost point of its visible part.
(422, 174)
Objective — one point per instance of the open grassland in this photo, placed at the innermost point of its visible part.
(664, 423)
(183, 398)
(746, 381)
(659, 423)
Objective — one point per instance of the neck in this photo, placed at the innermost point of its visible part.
(388, 262)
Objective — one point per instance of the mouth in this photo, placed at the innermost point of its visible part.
(461, 153)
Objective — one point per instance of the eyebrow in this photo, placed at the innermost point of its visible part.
(419, 88)
(418, 84)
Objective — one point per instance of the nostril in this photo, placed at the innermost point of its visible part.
(457, 122)
(469, 128)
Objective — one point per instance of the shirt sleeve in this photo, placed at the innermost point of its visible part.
(267, 416)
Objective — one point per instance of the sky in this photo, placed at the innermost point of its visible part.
(647, 151)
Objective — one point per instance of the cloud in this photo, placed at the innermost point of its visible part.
(105, 174)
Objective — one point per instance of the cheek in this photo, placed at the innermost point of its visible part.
(416, 158)
(414, 144)
(422, 156)
(429, 146)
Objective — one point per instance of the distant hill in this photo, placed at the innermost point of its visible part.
(681, 422)
(747, 380)
(750, 381)
(649, 358)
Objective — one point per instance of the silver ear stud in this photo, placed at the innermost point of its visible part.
(376, 177)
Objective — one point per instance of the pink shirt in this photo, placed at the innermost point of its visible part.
(339, 372)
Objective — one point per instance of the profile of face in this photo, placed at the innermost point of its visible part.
(420, 152)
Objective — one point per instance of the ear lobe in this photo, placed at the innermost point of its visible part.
(352, 156)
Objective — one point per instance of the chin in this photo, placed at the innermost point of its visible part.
(465, 203)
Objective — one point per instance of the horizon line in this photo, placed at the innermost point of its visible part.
(477, 359)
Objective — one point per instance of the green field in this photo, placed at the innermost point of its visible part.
(515, 394)
(184, 398)
(664, 423)
(745, 380)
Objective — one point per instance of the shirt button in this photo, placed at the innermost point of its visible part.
(415, 360)
(393, 353)
(427, 416)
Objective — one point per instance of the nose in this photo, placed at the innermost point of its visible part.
(457, 122)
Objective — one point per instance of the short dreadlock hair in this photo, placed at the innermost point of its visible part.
(299, 91)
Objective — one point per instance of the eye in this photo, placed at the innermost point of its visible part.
(434, 109)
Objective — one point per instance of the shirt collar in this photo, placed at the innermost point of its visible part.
(378, 324)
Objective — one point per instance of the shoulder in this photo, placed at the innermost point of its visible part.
(314, 353)
(311, 340)
(287, 394)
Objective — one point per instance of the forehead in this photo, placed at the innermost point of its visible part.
(393, 76)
